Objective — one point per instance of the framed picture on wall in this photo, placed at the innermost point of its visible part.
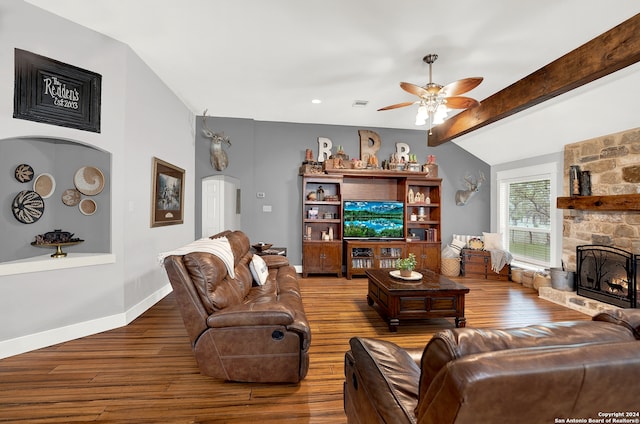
(167, 201)
(56, 93)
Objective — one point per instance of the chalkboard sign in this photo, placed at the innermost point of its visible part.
(53, 92)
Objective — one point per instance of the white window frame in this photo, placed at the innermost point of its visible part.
(536, 172)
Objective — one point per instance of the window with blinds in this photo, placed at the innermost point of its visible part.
(525, 218)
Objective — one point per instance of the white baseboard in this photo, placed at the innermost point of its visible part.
(75, 331)
(137, 310)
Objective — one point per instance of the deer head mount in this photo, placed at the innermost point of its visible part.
(473, 186)
(219, 158)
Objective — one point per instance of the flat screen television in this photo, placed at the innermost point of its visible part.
(373, 219)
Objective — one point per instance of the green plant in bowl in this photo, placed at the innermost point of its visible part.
(406, 265)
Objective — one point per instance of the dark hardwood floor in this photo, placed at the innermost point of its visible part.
(145, 372)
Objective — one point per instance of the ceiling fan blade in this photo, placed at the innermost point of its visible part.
(459, 102)
(414, 89)
(461, 86)
(396, 106)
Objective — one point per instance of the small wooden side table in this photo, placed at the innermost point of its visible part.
(281, 251)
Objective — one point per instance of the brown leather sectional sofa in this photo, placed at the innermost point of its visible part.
(539, 374)
(241, 331)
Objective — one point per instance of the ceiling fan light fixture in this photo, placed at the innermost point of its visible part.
(440, 115)
(436, 100)
(423, 112)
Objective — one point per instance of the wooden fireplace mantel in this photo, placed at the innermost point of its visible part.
(619, 202)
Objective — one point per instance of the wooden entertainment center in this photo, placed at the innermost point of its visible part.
(324, 249)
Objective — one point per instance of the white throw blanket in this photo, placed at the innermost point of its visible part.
(499, 258)
(219, 247)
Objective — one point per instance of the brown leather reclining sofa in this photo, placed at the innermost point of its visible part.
(539, 374)
(241, 331)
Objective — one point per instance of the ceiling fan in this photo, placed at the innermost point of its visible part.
(435, 99)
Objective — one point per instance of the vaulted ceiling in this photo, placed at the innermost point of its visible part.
(266, 60)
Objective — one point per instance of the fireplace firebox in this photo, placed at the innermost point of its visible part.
(607, 274)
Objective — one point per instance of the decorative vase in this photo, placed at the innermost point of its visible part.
(308, 155)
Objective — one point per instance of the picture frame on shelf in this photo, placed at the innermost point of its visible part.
(167, 201)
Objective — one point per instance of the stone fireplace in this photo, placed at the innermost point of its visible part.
(613, 162)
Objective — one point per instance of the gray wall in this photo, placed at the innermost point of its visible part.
(140, 118)
(266, 156)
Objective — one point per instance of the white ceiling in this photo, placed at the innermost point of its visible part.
(266, 60)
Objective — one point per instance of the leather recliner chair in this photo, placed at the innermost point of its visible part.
(535, 374)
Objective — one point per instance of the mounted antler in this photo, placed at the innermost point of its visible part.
(473, 186)
(219, 159)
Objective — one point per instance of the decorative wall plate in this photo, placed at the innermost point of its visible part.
(71, 197)
(89, 180)
(44, 185)
(24, 173)
(27, 206)
(87, 206)
(475, 244)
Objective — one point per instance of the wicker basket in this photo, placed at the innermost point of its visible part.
(541, 280)
(527, 278)
(450, 267)
(516, 275)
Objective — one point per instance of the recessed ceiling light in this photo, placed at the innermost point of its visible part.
(360, 103)
(316, 101)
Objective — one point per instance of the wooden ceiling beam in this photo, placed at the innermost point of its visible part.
(609, 52)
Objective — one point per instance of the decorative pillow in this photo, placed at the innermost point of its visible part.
(492, 241)
(457, 245)
(259, 270)
(448, 252)
(465, 237)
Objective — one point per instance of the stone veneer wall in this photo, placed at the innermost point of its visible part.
(614, 163)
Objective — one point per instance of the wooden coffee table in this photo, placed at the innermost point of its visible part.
(433, 296)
